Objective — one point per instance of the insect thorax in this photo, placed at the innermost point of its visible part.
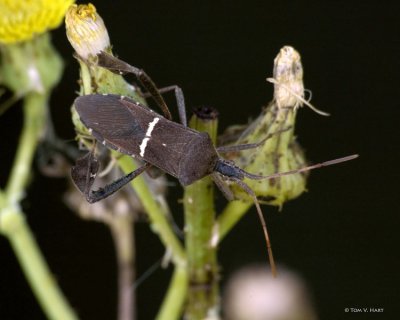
(199, 160)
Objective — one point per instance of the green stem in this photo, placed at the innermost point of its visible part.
(158, 219)
(176, 295)
(231, 215)
(12, 221)
(14, 227)
(3, 201)
(34, 123)
(203, 299)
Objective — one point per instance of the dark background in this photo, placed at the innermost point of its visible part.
(340, 236)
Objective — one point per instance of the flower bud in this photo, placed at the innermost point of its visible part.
(86, 30)
(88, 35)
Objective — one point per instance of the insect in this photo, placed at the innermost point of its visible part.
(133, 129)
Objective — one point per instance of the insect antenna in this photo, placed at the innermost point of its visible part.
(308, 168)
(230, 171)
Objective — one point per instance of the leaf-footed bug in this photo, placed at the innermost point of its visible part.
(133, 129)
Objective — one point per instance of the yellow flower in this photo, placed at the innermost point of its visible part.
(86, 30)
(21, 20)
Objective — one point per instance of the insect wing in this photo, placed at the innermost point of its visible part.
(166, 143)
(110, 122)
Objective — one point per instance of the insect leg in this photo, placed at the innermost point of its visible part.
(251, 193)
(118, 66)
(108, 190)
(228, 194)
(180, 101)
(240, 147)
(84, 174)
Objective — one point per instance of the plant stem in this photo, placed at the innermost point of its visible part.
(35, 115)
(32, 262)
(176, 295)
(203, 299)
(231, 215)
(158, 219)
(108, 82)
(12, 221)
(122, 230)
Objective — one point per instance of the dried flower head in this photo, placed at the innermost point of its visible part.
(22, 20)
(86, 30)
(288, 80)
(280, 152)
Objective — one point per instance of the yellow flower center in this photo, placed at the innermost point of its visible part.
(84, 11)
(21, 20)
